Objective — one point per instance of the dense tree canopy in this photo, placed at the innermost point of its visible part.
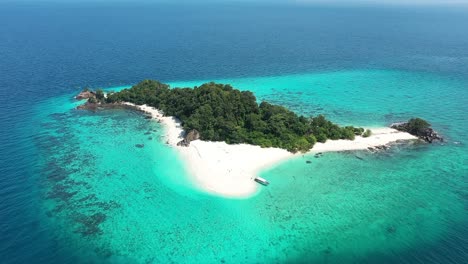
(222, 113)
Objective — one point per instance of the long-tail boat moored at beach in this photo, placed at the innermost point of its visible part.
(261, 181)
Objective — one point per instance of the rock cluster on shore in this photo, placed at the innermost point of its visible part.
(100, 106)
(85, 94)
(419, 128)
(191, 136)
(93, 104)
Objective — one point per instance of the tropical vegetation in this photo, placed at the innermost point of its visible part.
(221, 113)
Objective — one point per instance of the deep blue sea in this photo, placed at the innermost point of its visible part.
(74, 189)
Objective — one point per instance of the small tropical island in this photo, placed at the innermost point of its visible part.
(218, 112)
(226, 137)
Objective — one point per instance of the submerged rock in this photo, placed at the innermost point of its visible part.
(357, 157)
(382, 147)
(139, 145)
(391, 229)
(89, 224)
(88, 106)
(378, 148)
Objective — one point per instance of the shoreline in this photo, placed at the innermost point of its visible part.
(228, 170)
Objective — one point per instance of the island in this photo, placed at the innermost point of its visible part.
(226, 137)
(218, 112)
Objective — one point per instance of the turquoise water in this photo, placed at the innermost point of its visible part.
(76, 189)
(113, 201)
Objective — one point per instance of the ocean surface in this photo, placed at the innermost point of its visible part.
(78, 187)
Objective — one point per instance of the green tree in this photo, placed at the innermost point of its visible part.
(100, 95)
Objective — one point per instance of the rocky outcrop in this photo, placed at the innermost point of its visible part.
(189, 137)
(88, 106)
(101, 106)
(429, 135)
(423, 132)
(86, 94)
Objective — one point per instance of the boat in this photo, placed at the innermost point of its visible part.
(261, 181)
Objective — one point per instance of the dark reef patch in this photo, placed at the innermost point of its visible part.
(86, 198)
(89, 225)
(391, 229)
(61, 192)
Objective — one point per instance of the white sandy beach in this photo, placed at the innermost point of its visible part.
(229, 170)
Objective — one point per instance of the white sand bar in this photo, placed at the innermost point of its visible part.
(229, 170)
(380, 136)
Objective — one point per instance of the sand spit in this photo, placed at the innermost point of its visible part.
(229, 170)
